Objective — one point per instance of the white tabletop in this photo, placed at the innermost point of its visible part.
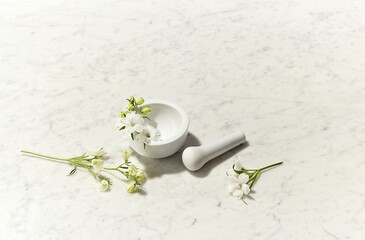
(290, 74)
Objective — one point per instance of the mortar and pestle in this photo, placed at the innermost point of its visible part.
(173, 123)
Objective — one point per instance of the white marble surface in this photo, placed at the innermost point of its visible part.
(289, 73)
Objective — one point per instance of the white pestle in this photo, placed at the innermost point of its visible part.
(195, 157)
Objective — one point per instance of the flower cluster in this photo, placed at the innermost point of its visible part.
(131, 172)
(133, 122)
(241, 180)
(94, 164)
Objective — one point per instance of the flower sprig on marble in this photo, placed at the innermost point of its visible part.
(241, 180)
(94, 164)
(133, 121)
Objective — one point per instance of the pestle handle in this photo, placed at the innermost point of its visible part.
(195, 157)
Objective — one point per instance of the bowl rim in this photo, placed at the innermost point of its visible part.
(184, 116)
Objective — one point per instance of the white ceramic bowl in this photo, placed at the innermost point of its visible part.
(173, 123)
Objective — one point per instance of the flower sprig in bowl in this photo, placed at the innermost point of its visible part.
(94, 164)
(134, 121)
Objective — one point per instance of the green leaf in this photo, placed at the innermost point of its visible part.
(122, 128)
(144, 145)
(72, 172)
(132, 136)
(147, 118)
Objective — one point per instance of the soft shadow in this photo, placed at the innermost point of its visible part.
(191, 140)
(141, 192)
(170, 165)
(250, 195)
(173, 164)
(205, 170)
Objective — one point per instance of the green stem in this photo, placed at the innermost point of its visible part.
(115, 169)
(45, 156)
(75, 160)
(270, 166)
(92, 173)
(255, 179)
(79, 162)
(252, 177)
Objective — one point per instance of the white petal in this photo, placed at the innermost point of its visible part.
(139, 128)
(139, 119)
(130, 116)
(232, 179)
(100, 152)
(238, 193)
(232, 187)
(231, 172)
(238, 166)
(246, 189)
(243, 178)
(98, 164)
(154, 133)
(134, 118)
(129, 129)
(140, 137)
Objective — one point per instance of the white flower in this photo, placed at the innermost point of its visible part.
(100, 153)
(246, 189)
(154, 133)
(238, 185)
(231, 172)
(133, 122)
(233, 184)
(104, 185)
(232, 187)
(238, 193)
(98, 164)
(149, 134)
(240, 179)
(243, 178)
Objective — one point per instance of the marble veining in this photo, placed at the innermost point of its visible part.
(288, 73)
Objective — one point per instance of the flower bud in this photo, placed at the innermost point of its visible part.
(131, 99)
(126, 154)
(132, 171)
(140, 101)
(130, 107)
(140, 176)
(123, 114)
(146, 110)
(132, 188)
(104, 185)
(100, 153)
